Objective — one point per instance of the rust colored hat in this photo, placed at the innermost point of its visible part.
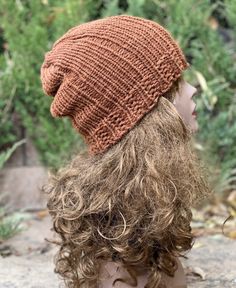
(108, 73)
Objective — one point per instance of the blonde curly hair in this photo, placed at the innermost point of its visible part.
(130, 204)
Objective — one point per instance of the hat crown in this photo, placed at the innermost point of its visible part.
(108, 73)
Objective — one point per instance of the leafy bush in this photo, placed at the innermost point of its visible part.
(207, 38)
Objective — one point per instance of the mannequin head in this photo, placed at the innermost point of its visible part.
(130, 204)
(129, 200)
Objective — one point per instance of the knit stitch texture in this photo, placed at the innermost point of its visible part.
(108, 73)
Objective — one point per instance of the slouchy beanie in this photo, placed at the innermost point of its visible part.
(106, 74)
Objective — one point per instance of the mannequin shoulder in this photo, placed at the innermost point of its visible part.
(109, 271)
(179, 280)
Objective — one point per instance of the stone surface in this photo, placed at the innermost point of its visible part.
(28, 272)
(32, 237)
(31, 263)
(213, 256)
(21, 187)
(22, 177)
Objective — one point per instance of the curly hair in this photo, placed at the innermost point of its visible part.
(130, 204)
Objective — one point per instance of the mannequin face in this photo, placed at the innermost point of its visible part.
(186, 106)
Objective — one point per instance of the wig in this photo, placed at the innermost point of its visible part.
(130, 204)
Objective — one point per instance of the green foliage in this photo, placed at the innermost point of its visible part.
(11, 224)
(230, 12)
(5, 155)
(209, 50)
(111, 7)
(36, 25)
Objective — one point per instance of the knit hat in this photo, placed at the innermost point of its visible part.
(108, 73)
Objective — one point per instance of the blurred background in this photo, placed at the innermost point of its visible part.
(32, 143)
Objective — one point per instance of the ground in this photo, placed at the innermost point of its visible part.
(27, 259)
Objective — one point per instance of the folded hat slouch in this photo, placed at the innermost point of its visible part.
(106, 74)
